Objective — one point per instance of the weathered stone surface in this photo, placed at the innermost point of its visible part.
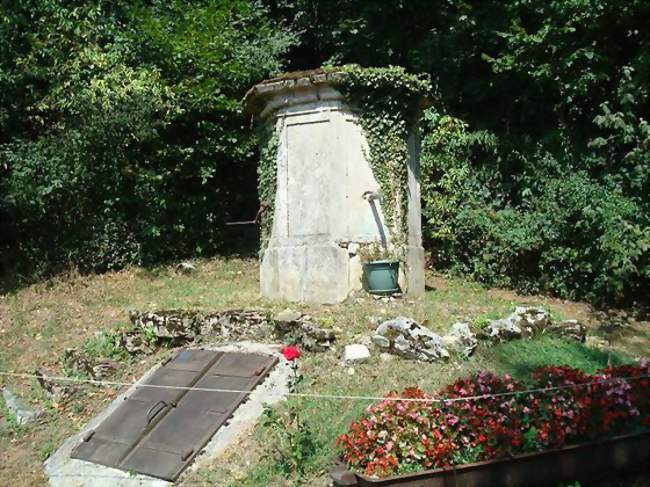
(23, 413)
(293, 326)
(235, 325)
(318, 202)
(461, 339)
(287, 316)
(59, 392)
(180, 325)
(77, 362)
(356, 353)
(97, 368)
(410, 340)
(596, 342)
(523, 322)
(568, 328)
(171, 324)
(381, 341)
(134, 342)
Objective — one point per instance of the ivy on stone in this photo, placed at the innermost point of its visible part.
(388, 101)
(267, 184)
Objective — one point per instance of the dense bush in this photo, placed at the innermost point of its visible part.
(537, 158)
(123, 135)
(495, 421)
(572, 234)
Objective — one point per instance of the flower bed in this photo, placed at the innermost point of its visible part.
(499, 421)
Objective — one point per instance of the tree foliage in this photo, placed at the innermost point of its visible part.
(122, 136)
(536, 156)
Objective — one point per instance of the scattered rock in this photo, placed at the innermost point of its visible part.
(287, 316)
(134, 342)
(103, 368)
(523, 322)
(568, 328)
(406, 338)
(381, 341)
(461, 339)
(356, 353)
(78, 362)
(351, 371)
(596, 342)
(293, 326)
(23, 413)
(57, 391)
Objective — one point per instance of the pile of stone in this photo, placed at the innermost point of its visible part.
(409, 339)
(293, 326)
(403, 336)
(76, 362)
(526, 322)
(179, 325)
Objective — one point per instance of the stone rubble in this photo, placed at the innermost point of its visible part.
(356, 353)
(57, 391)
(461, 339)
(406, 338)
(78, 362)
(523, 322)
(528, 321)
(23, 413)
(297, 328)
(568, 328)
(179, 325)
(403, 336)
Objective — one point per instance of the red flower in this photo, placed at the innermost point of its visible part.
(291, 352)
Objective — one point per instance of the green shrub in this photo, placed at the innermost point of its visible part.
(125, 140)
(570, 235)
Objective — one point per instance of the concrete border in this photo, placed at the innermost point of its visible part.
(63, 471)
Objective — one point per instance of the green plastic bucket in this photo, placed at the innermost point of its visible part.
(380, 276)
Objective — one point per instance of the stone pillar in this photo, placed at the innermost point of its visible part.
(320, 216)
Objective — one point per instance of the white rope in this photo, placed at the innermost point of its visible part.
(321, 396)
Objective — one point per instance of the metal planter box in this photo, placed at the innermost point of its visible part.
(584, 462)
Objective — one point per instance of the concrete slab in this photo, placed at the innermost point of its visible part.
(63, 471)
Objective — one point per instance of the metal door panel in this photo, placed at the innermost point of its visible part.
(239, 365)
(102, 451)
(157, 463)
(159, 431)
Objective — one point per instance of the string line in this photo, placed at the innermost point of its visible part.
(322, 396)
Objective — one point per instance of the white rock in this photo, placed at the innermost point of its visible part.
(356, 353)
(288, 315)
(23, 413)
(409, 339)
(381, 341)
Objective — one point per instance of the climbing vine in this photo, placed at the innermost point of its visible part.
(388, 100)
(267, 172)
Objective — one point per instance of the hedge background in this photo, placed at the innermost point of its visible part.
(123, 140)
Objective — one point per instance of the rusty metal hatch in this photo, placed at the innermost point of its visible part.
(159, 431)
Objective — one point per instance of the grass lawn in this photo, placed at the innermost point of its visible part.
(38, 322)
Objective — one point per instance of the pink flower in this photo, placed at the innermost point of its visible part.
(291, 352)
